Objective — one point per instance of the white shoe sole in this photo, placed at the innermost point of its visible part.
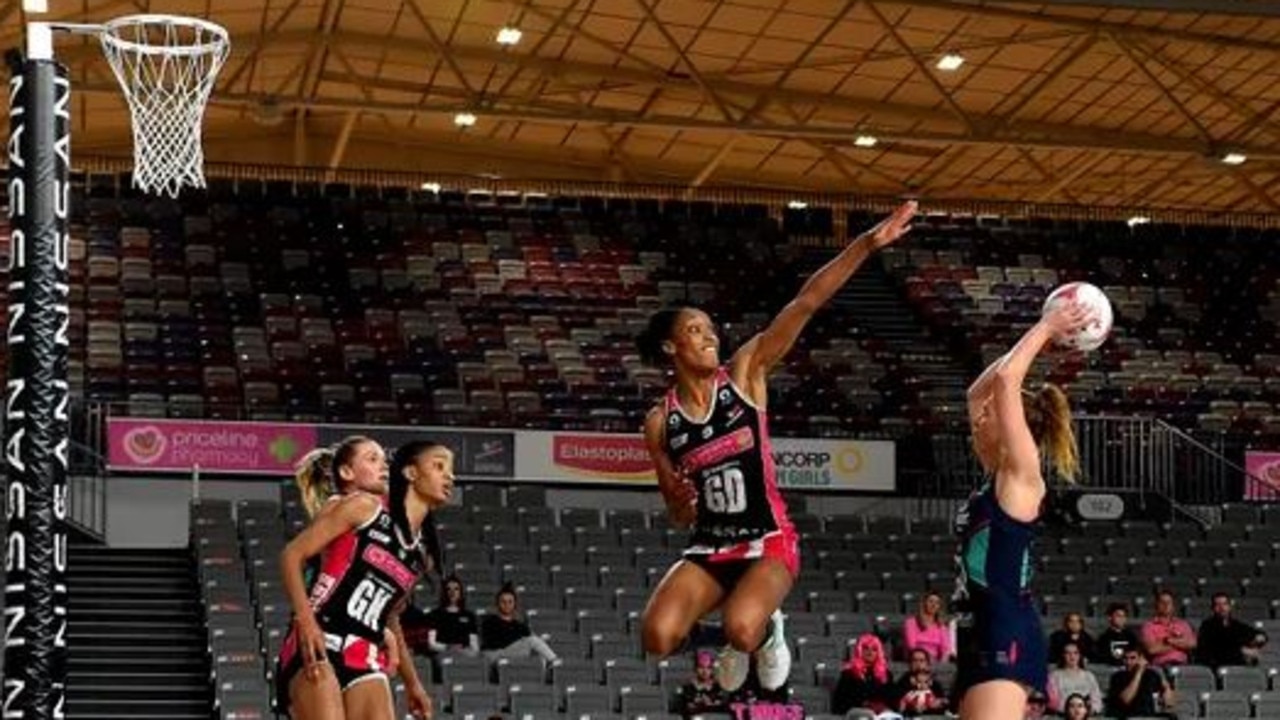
(732, 667)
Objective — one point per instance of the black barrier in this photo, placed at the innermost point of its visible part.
(477, 454)
(36, 419)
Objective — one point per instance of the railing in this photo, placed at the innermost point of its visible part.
(1148, 455)
(87, 491)
(86, 476)
(87, 472)
(1139, 456)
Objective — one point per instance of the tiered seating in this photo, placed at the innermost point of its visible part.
(1194, 309)
(443, 309)
(240, 676)
(583, 576)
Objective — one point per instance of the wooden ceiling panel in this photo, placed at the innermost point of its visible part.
(980, 102)
(591, 73)
(775, 50)
(800, 27)
(855, 34)
(722, 44)
(735, 17)
(689, 13)
(993, 79)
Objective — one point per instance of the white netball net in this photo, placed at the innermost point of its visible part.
(166, 65)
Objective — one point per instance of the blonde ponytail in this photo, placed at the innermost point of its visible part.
(314, 477)
(1049, 419)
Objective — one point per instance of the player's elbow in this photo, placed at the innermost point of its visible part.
(807, 304)
(1005, 381)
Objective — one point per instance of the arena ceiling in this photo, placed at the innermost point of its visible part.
(1132, 104)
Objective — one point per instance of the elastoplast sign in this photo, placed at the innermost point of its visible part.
(801, 463)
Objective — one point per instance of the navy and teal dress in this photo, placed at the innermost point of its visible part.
(999, 637)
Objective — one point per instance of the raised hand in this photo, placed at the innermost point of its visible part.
(1067, 319)
(894, 226)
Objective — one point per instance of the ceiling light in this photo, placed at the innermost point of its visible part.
(509, 36)
(950, 62)
(464, 119)
(431, 187)
(1234, 158)
(865, 141)
(797, 205)
(1138, 220)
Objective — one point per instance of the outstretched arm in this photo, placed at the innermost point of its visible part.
(1020, 487)
(981, 389)
(760, 354)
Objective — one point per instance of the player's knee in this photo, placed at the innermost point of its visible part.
(659, 638)
(743, 631)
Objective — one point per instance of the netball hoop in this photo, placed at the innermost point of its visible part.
(166, 66)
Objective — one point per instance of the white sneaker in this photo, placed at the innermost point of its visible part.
(732, 666)
(773, 659)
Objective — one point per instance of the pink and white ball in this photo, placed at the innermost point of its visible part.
(1095, 333)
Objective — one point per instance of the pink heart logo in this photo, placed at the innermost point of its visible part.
(1271, 473)
(145, 445)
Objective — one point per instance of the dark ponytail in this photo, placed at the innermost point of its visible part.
(405, 456)
(649, 341)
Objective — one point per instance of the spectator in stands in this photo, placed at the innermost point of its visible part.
(1138, 690)
(504, 635)
(928, 629)
(1071, 678)
(865, 682)
(702, 694)
(1037, 705)
(1224, 640)
(1072, 631)
(918, 692)
(1109, 648)
(1167, 638)
(1077, 708)
(452, 625)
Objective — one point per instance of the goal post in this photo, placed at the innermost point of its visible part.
(166, 66)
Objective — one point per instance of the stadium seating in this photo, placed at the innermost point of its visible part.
(595, 634)
(283, 301)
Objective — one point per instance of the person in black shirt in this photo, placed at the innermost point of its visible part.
(702, 694)
(1072, 631)
(1224, 640)
(1111, 644)
(452, 625)
(1138, 690)
(504, 635)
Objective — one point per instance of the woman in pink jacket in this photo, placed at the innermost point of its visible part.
(928, 630)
